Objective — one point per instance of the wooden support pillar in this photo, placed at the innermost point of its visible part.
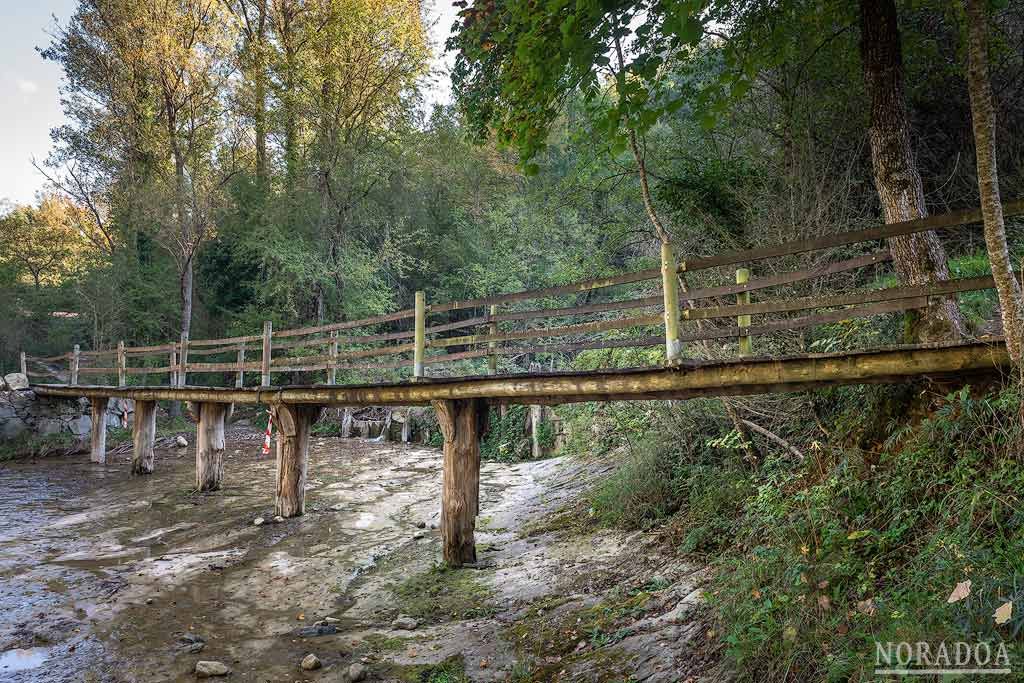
(98, 445)
(670, 295)
(332, 369)
(76, 361)
(122, 365)
(492, 329)
(240, 375)
(462, 423)
(143, 435)
(210, 446)
(742, 321)
(268, 332)
(294, 423)
(419, 334)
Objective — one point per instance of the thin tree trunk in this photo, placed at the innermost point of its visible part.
(919, 258)
(983, 118)
(260, 96)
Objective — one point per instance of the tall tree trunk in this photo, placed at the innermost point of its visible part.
(983, 118)
(260, 96)
(920, 258)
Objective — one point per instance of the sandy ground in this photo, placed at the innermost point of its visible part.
(109, 577)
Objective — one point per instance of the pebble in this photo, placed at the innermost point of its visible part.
(421, 525)
(278, 519)
(418, 535)
(259, 521)
(337, 507)
(181, 441)
(406, 623)
(356, 672)
(206, 669)
(310, 662)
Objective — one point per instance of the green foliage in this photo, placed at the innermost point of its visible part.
(506, 439)
(862, 542)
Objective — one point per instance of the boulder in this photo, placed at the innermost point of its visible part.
(310, 662)
(15, 382)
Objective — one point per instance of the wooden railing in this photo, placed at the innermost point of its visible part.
(412, 340)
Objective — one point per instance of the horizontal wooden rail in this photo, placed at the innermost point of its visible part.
(48, 359)
(628, 304)
(943, 220)
(347, 325)
(573, 288)
(583, 328)
(788, 278)
(146, 350)
(219, 350)
(805, 303)
(226, 340)
(149, 371)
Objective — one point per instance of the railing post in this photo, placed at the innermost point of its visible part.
(670, 291)
(174, 365)
(24, 364)
(122, 364)
(240, 377)
(492, 329)
(183, 360)
(332, 370)
(268, 330)
(420, 336)
(76, 359)
(743, 321)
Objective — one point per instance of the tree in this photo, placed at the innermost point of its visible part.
(983, 118)
(43, 242)
(919, 258)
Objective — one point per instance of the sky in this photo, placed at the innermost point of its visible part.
(29, 103)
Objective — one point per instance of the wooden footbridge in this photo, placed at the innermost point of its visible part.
(412, 357)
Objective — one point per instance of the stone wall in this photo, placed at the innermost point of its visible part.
(22, 412)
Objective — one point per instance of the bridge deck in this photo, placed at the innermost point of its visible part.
(687, 380)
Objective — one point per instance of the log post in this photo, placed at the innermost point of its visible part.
(98, 444)
(268, 331)
(743, 321)
(210, 446)
(183, 361)
(332, 369)
(419, 334)
(76, 360)
(670, 293)
(122, 363)
(492, 329)
(461, 424)
(143, 435)
(24, 364)
(293, 426)
(240, 377)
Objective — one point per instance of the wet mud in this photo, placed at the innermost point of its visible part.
(106, 577)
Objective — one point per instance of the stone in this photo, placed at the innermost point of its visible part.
(191, 643)
(209, 669)
(405, 623)
(337, 507)
(418, 535)
(356, 672)
(278, 519)
(181, 441)
(15, 381)
(310, 662)
(421, 525)
(259, 521)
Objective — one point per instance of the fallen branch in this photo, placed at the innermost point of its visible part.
(772, 436)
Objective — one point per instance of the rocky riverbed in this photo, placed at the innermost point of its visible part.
(108, 577)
